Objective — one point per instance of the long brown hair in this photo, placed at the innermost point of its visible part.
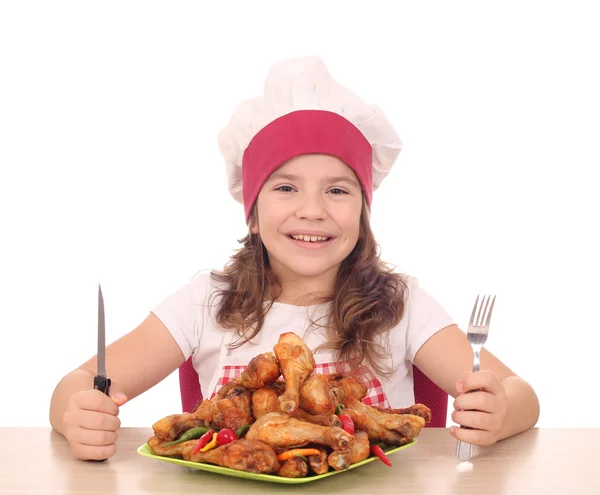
(368, 298)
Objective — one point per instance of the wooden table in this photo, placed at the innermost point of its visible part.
(541, 461)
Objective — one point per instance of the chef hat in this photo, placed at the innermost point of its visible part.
(304, 110)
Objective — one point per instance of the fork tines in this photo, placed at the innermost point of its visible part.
(483, 311)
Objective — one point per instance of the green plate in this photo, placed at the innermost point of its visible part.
(145, 451)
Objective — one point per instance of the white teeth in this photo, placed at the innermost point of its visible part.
(309, 238)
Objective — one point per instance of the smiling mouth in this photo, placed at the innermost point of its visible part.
(309, 238)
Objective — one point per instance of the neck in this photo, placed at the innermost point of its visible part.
(304, 291)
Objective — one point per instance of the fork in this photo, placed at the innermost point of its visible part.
(476, 335)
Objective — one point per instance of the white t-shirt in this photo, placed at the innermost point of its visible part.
(190, 316)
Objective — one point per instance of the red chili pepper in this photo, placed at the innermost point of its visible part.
(376, 449)
(226, 436)
(347, 423)
(203, 440)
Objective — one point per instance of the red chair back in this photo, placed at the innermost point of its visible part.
(426, 392)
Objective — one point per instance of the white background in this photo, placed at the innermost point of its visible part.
(110, 171)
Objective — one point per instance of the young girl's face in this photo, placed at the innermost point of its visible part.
(308, 216)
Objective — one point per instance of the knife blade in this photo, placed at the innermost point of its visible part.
(101, 382)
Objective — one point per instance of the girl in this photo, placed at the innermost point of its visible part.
(304, 159)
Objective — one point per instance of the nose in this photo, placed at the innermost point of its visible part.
(311, 207)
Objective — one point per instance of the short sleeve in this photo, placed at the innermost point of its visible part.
(182, 313)
(424, 317)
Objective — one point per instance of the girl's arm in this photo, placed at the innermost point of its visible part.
(134, 363)
(511, 405)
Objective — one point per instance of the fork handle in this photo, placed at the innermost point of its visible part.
(464, 451)
(475, 360)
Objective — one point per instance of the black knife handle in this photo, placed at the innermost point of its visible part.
(101, 383)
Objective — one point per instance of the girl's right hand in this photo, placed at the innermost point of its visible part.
(91, 422)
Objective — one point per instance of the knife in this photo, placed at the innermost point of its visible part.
(101, 382)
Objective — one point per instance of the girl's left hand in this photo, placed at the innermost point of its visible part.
(482, 405)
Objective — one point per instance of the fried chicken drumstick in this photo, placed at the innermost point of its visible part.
(230, 408)
(243, 454)
(294, 468)
(357, 450)
(261, 371)
(297, 363)
(232, 411)
(281, 431)
(317, 395)
(265, 400)
(157, 447)
(417, 410)
(171, 427)
(318, 463)
(393, 429)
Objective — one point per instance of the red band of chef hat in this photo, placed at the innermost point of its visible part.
(302, 132)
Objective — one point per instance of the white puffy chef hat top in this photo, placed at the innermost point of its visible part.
(304, 110)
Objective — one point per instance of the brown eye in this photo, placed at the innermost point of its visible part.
(337, 190)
